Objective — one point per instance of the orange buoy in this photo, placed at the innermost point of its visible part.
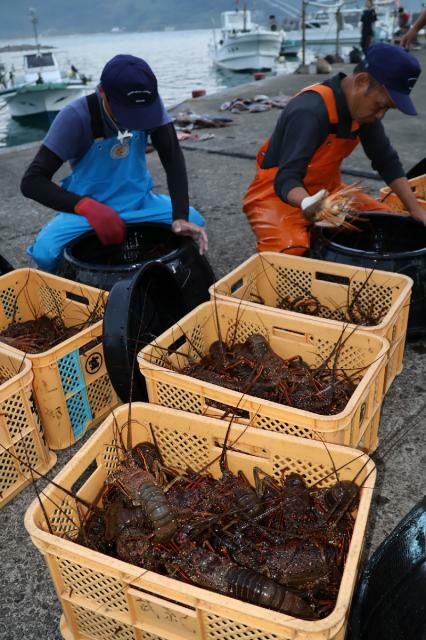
(259, 75)
(198, 93)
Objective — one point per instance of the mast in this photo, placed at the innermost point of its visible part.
(338, 28)
(34, 21)
(304, 3)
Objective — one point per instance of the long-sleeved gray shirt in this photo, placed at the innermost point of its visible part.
(304, 125)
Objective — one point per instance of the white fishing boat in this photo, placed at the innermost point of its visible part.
(42, 89)
(330, 28)
(39, 88)
(244, 45)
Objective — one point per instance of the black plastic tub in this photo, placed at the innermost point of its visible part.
(390, 600)
(87, 261)
(387, 241)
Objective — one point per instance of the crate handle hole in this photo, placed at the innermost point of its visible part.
(176, 344)
(75, 297)
(247, 450)
(362, 413)
(289, 334)
(332, 277)
(226, 409)
(236, 285)
(159, 597)
(81, 480)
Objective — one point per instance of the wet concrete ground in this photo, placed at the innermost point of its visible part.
(218, 179)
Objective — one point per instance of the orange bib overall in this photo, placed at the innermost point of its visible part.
(278, 226)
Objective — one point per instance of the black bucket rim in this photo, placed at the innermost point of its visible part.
(369, 254)
(81, 264)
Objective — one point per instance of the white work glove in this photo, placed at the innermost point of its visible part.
(312, 204)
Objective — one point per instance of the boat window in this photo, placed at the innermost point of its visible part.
(34, 61)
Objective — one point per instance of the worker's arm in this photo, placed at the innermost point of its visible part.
(167, 145)
(38, 185)
(377, 147)
(69, 137)
(302, 136)
(413, 31)
(385, 160)
(402, 188)
(301, 129)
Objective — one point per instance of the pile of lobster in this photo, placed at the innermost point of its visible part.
(36, 336)
(364, 315)
(252, 367)
(280, 545)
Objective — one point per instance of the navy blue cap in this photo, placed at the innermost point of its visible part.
(131, 88)
(397, 70)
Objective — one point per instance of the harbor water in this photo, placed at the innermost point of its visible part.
(180, 59)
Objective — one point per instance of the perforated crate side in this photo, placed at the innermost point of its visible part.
(351, 435)
(395, 362)
(23, 447)
(79, 390)
(97, 627)
(94, 626)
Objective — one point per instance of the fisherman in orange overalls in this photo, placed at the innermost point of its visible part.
(320, 127)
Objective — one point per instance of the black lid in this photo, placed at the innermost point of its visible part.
(139, 308)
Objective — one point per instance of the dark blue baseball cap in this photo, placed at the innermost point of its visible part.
(131, 88)
(397, 70)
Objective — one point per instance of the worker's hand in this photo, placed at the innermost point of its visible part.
(311, 205)
(194, 231)
(419, 214)
(106, 222)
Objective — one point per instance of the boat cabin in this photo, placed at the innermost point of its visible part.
(235, 21)
(41, 64)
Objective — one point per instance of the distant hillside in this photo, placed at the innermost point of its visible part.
(85, 16)
(88, 16)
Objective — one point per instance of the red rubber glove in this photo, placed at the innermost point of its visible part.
(106, 222)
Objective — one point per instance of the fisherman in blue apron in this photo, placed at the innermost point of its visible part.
(104, 136)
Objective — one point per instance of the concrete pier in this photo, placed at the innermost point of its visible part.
(219, 170)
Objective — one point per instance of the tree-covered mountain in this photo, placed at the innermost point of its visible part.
(88, 16)
(85, 16)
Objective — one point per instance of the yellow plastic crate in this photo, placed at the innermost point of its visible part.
(272, 276)
(103, 598)
(418, 186)
(71, 385)
(357, 425)
(21, 437)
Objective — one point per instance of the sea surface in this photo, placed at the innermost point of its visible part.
(180, 59)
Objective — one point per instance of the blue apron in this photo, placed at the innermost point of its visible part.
(114, 173)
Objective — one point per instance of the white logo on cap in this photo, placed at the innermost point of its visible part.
(411, 82)
(144, 95)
